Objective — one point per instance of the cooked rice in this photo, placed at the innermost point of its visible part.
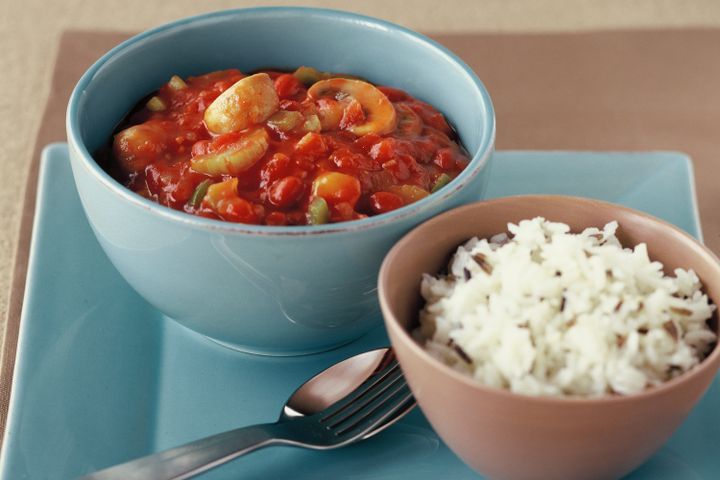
(548, 312)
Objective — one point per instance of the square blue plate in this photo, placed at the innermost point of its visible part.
(101, 377)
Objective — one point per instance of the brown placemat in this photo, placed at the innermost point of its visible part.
(627, 90)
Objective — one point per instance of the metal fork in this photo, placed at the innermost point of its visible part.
(367, 410)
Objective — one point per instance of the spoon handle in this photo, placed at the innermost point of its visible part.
(193, 458)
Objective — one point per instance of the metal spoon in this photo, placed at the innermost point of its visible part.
(350, 401)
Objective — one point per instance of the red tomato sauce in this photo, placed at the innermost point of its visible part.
(287, 149)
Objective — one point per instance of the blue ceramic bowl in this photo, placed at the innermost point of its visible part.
(272, 290)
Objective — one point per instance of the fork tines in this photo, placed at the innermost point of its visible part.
(373, 402)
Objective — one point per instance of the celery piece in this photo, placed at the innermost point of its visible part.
(312, 123)
(199, 193)
(409, 193)
(156, 104)
(307, 75)
(441, 181)
(177, 83)
(236, 158)
(318, 211)
(285, 120)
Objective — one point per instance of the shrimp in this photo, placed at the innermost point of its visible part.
(136, 147)
(250, 101)
(380, 116)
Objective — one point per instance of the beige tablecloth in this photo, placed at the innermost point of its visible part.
(625, 90)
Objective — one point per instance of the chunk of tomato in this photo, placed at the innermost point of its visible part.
(445, 159)
(287, 86)
(285, 192)
(277, 167)
(383, 202)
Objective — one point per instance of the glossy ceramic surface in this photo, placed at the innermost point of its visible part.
(576, 438)
(275, 290)
(102, 377)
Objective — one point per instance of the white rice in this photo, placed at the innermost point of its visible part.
(552, 313)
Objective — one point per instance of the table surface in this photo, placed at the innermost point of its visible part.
(30, 35)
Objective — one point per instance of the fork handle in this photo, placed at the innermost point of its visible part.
(193, 458)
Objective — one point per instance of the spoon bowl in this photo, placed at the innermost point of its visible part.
(336, 382)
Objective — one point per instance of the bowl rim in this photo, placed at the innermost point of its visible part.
(712, 361)
(478, 162)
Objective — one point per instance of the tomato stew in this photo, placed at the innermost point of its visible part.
(278, 148)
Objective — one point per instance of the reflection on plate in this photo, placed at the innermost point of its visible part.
(101, 377)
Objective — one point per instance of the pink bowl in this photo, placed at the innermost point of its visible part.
(509, 436)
